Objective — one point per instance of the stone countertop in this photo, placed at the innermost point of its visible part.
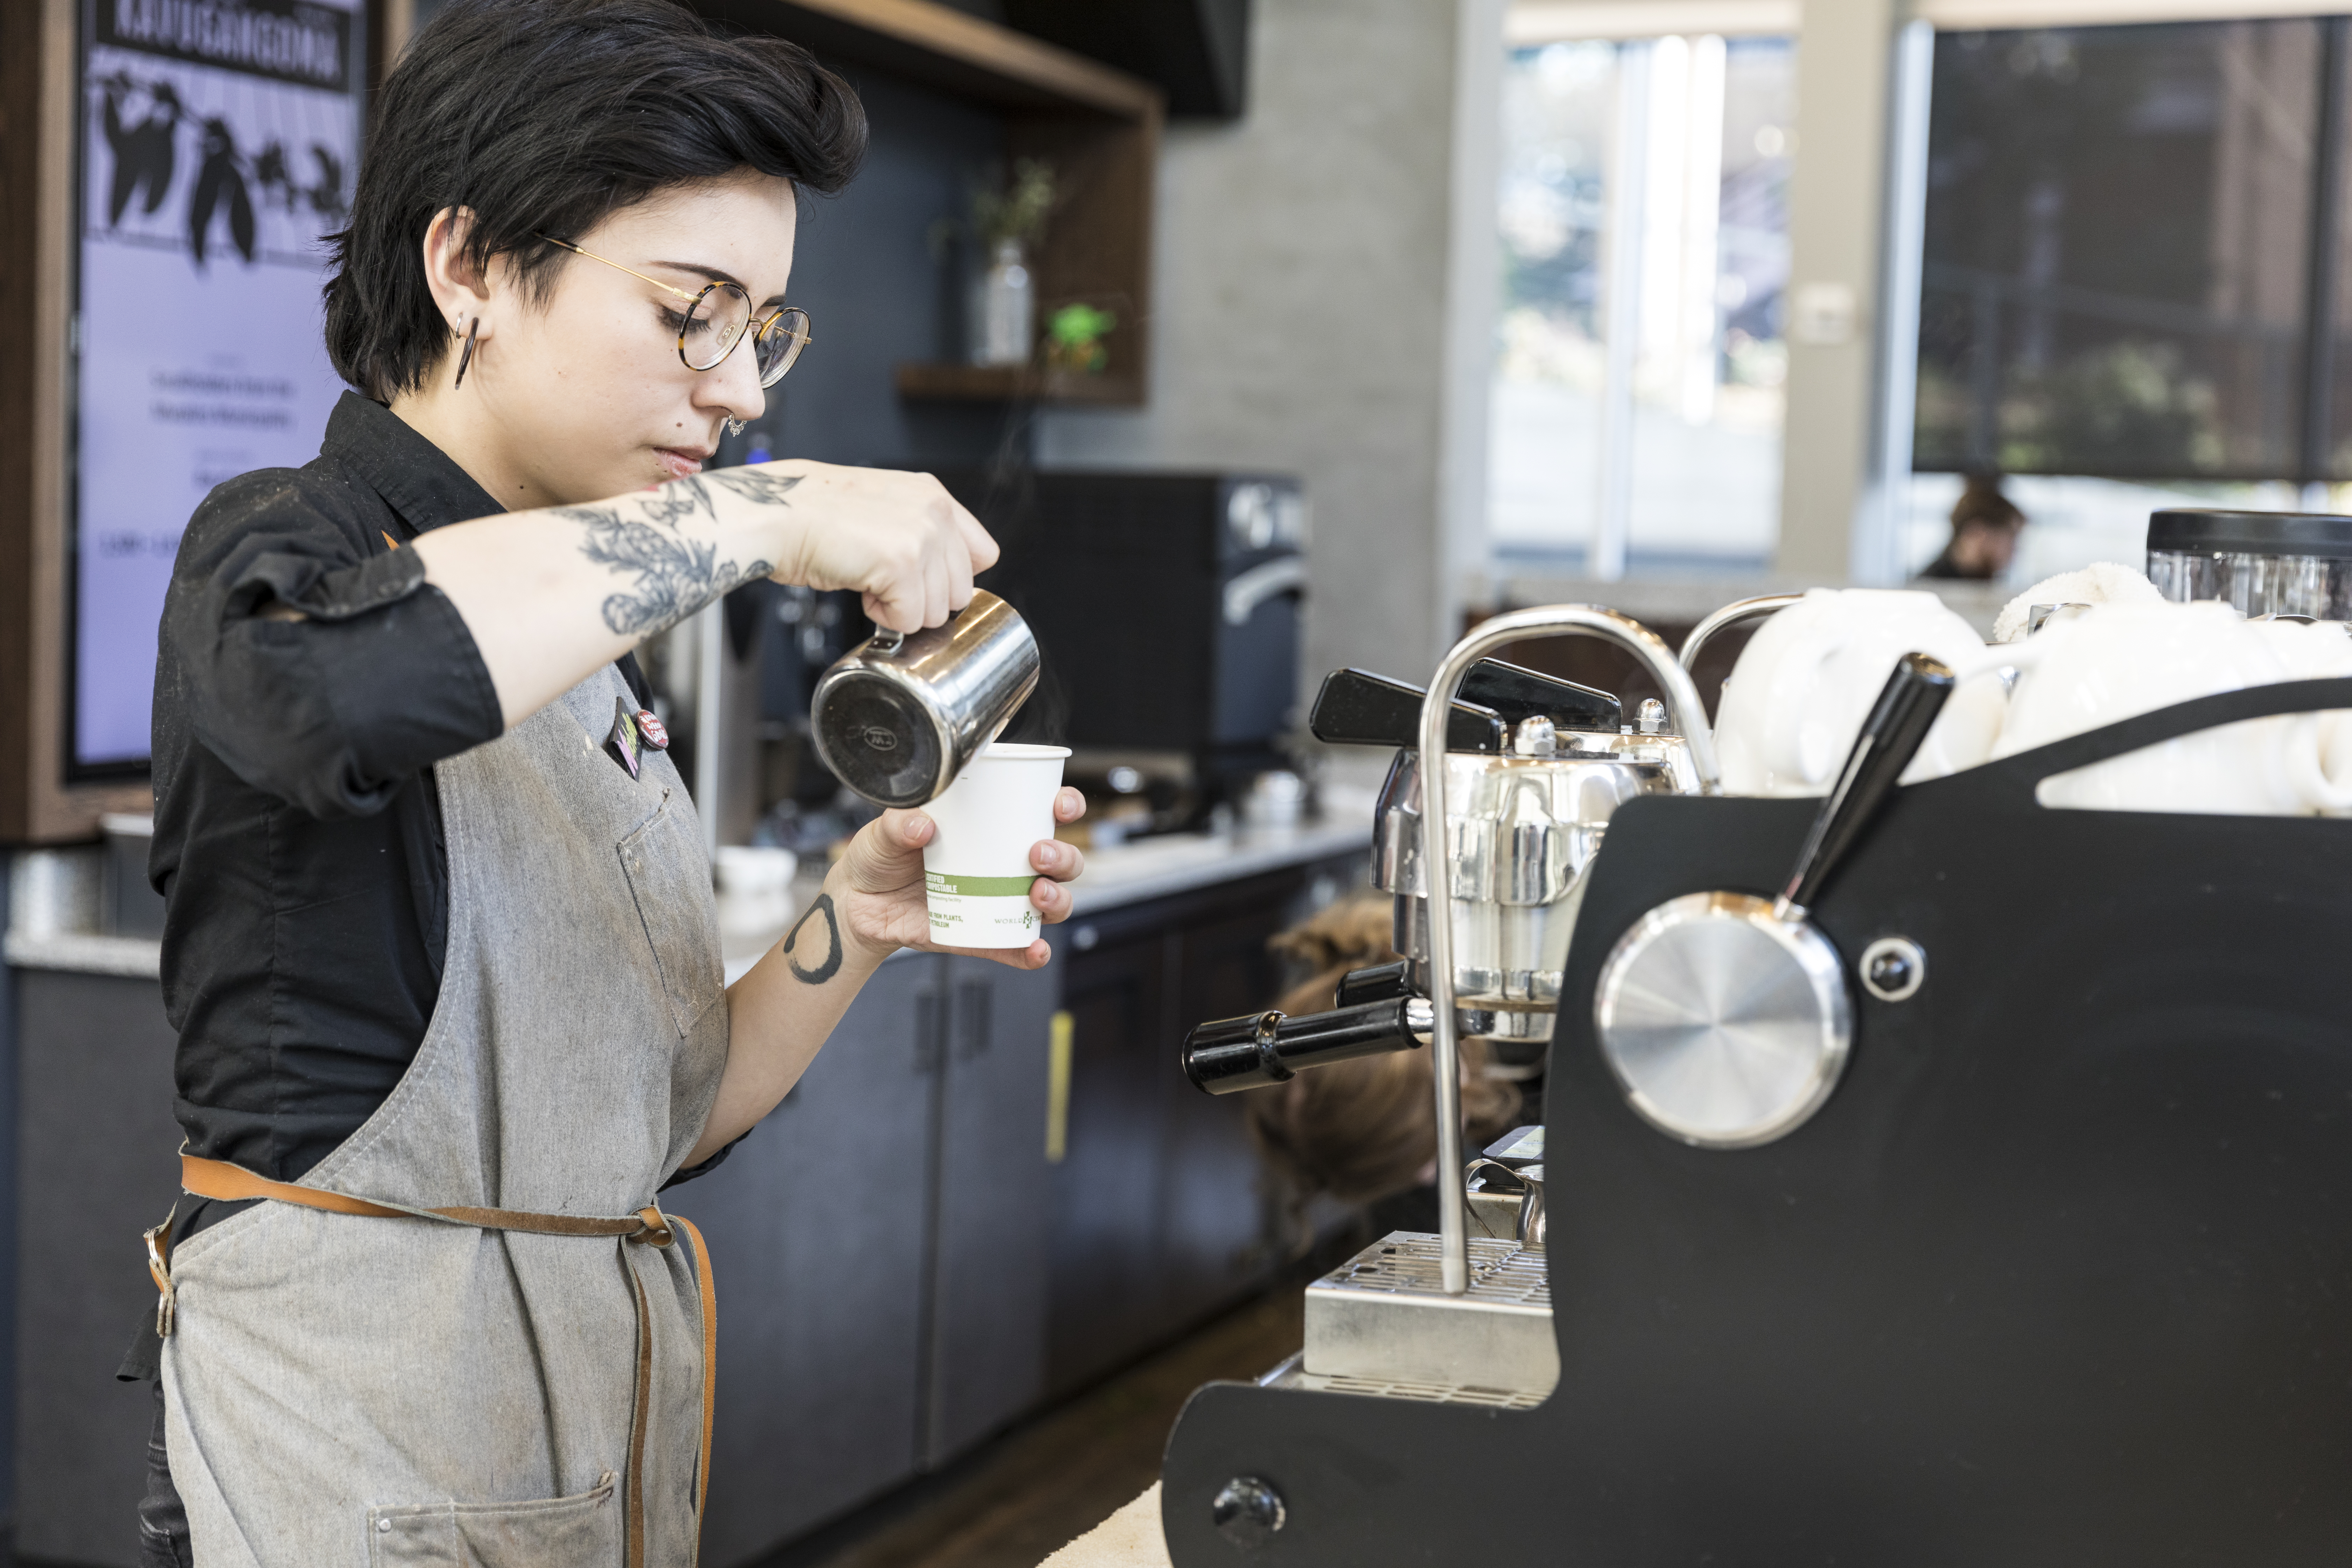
(53, 919)
(54, 898)
(1177, 863)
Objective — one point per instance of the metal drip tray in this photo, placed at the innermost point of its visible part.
(1384, 1318)
(1290, 1374)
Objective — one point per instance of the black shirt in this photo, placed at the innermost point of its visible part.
(297, 833)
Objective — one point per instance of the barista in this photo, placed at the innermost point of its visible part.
(439, 948)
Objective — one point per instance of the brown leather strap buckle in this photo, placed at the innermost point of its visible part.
(158, 1240)
(657, 1232)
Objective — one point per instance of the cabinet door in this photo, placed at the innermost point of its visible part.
(816, 1225)
(1106, 1273)
(1221, 1228)
(95, 1136)
(988, 1291)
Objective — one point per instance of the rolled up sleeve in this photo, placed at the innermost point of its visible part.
(332, 713)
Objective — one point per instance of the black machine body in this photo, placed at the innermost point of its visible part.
(2058, 1274)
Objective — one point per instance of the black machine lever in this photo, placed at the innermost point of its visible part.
(1233, 1053)
(1890, 737)
(1519, 694)
(1358, 707)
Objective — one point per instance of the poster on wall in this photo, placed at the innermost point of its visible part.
(219, 143)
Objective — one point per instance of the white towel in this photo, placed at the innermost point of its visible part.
(1127, 1539)
(2101, 582)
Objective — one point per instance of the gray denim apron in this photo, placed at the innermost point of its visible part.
(348, 1391)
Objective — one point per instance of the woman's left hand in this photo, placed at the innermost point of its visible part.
(880, 886)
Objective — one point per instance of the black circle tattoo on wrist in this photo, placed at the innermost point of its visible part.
(831, 964)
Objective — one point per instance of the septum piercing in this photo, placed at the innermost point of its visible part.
(734, 425)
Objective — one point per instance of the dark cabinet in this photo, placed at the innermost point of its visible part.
(816, 1225)
(1162, 1210)
(879, 1249)
(1222, 1217)
(1107, 1190)
(902, 1269)
(94, 1166)
(987, 1341)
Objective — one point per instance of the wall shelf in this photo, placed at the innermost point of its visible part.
(1008, 383)
(950, 50)
(1099, 127)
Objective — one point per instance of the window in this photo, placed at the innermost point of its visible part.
(1636, 412)
(2117, 277)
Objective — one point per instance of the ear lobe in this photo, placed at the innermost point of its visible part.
(459, 287)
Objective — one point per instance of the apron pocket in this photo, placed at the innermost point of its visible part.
(584, 1528)
(670, 880)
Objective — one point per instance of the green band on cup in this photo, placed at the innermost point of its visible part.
(978, 887)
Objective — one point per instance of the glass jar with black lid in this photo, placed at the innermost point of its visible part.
(2262, 563)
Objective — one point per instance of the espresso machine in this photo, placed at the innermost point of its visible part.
(1927, 1172)
(1532, 770)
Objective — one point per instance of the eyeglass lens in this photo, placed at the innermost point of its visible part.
(720, 320)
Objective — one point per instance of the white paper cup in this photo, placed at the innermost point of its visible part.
(976, 871)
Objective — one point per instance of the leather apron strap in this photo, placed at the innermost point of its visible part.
(219, 1179)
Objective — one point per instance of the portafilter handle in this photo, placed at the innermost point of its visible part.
(1689, 716)
(1890, 737)
(1229, 1055)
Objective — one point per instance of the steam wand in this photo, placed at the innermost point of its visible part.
(1689, 715)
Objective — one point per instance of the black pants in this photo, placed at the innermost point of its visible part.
(163, 1522)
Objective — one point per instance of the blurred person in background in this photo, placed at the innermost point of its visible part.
(1365, 1131)
(1985, 526)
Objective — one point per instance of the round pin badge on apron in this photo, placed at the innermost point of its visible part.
(1725, 1017)
(470, 1334)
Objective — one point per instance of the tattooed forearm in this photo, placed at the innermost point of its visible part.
(828, 963)
(757, 484)
(674, 574)
(647, 538)
(671, 504)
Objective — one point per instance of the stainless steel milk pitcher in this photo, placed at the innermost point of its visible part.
(898, 717)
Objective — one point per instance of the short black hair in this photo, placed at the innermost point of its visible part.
(546, 117)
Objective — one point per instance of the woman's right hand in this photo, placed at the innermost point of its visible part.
(897, 538)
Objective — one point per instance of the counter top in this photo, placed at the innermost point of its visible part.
(54, 902)
(1154, 868)
(53, 917)
(1147, 868)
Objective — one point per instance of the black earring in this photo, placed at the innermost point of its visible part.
(466, 356)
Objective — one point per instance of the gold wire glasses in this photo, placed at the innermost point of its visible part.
(718, 317)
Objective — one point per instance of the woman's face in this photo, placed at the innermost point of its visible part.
(585, 393)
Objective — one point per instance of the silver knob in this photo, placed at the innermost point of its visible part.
(1894, 968)
(1534, 737)
(1248, 1511)
(1651, 715)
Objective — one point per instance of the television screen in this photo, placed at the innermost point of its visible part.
(219, 143)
